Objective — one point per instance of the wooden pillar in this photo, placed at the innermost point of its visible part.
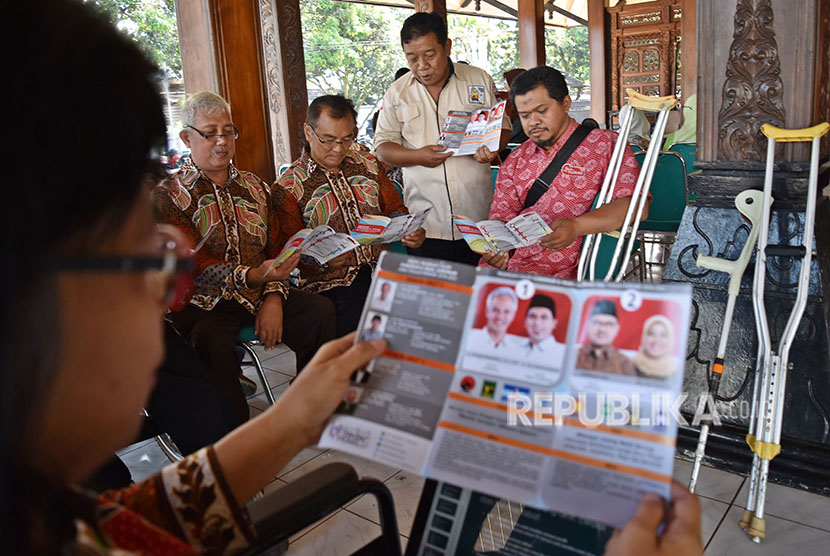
(437, 6)
(196, 45)
(218, 55)
(241, 75)
(597, 47)
(531, 33)
(688, 57)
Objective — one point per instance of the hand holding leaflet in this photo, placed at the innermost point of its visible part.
(383, 229)
(477, 389)
(322, 243)
(494, 236)
(464, 132)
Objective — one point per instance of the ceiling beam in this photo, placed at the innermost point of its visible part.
(552, 6)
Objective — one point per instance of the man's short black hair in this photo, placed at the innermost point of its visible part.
(423, 23)
(337, 106)
(551, 79)
(377, 318)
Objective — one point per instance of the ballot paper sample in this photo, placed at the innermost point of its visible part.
(321, 243)
(469, 391)
(495, 236)
(464, 132)
(383, 229)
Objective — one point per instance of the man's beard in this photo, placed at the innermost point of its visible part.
(544, 143)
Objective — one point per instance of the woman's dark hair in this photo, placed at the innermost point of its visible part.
(423, 23)
(86, 117)
(546, 76)
(337, 106)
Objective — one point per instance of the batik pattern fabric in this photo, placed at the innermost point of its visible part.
(185, 509)
(307, 195)
(242, 229)
(571, 194)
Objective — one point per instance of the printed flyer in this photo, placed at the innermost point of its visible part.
(543, 391)
(464, 132)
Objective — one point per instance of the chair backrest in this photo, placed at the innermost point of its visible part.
(668, 192)
(636, 149)
(689, 153)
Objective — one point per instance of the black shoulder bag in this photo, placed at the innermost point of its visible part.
(543, 182)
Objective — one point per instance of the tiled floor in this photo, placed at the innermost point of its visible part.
(797, 522)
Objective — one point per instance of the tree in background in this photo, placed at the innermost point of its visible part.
(491, 44)
(351, 49)
(567, 50)
(151, 24)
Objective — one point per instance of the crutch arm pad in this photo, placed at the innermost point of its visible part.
(794, 135)
(653, 104)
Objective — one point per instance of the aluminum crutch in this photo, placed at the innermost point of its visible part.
(764, 435)
(639, 198)
(749, 205)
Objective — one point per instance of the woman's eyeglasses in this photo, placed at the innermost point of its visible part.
(169, 266)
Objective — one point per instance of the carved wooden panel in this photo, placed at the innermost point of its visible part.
(290, 34)
(644, 49)
(799, 33)
(752, 92)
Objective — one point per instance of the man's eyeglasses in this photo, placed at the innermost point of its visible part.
(330, 143)
(227, 136)
(173, 270)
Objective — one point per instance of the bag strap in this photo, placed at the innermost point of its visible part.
(542, 183)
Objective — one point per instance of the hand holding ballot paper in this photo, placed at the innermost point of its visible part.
(460, 395)
(464, 133)
(382, 229)
(322, 244)
(494, 236)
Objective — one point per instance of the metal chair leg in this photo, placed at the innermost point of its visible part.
(169, 448)
(249, 348)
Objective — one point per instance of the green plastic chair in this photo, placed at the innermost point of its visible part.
(668, 193)
(689, 153)
(636, 148)
(606, 252)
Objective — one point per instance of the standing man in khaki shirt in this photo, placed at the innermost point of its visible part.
(414, 110)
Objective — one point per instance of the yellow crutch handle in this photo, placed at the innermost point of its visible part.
(654, 104)
(794, 135)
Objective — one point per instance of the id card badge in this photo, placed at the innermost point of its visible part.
(475, 94)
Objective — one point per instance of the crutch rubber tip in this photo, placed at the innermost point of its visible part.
(757, 527)
(746, 520)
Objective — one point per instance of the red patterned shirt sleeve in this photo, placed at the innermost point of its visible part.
(188, 501)
(507, 201)
(629, 172)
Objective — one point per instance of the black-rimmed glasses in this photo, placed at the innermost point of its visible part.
(228, 135)
(172, 269)
(330, 143)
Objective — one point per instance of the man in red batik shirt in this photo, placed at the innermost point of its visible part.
(541, 99)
